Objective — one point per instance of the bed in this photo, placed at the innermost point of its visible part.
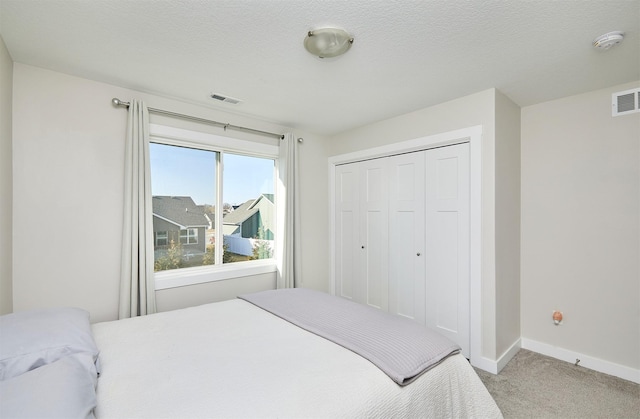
(242, 359)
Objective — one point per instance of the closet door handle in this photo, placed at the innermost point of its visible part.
(363, 247)
(418, 254)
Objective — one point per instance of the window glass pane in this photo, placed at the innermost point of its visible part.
(189, 236)
(161, 238)
(248, 207)
(183, 185)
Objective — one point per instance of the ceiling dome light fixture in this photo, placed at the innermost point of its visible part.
(608, 40)
(328, 42)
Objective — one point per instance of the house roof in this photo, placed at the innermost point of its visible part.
(246, 210)
(270, 197)
(241, 213)
(180, 210)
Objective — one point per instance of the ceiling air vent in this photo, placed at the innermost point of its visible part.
(226, 99)
(623, 103)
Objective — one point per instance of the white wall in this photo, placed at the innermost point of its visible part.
(6, 177)
(209, 292)
(580, 227)
(507, 178)
(68, 152)
(476, 109)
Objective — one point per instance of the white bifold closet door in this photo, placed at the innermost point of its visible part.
(361, 220)
(402, 237)
(374, 225)
(407, 236)
(347, 232)
(447, 242)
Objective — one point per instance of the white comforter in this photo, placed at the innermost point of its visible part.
(232, 359)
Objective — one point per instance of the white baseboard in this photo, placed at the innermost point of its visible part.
(494, 367)
(485, 364)
(586, 361)
(508, 354)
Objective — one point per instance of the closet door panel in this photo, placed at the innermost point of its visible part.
(374, 223)
(347, 232)
(406, 236)
(447, 242)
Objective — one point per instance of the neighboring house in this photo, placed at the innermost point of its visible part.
(210, 219)
(253, 219)
(179, 219)
(209, 213)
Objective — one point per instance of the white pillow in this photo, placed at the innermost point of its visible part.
(31, 339)
(63, 389)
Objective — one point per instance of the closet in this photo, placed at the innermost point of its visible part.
(402, 236)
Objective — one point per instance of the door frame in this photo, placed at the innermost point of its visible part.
(471, 135)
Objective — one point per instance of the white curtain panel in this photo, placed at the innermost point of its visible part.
(137, 289)
(288, 238)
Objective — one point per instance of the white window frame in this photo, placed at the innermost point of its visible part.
(162, 235)
(189, 235)
(200, 274)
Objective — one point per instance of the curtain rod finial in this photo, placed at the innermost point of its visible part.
(117, 102)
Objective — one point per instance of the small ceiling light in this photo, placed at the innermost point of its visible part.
(328, 42)
(608, 40)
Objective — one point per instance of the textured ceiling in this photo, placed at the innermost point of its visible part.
(407, 55)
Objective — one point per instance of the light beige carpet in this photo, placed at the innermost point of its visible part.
(537, 386)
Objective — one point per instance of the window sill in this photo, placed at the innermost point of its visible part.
(201, 274)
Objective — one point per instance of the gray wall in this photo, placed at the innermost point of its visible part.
(507, 178)
(580, 226)
(174, 234)
(6, 180)
(68, 159)
(208, 292)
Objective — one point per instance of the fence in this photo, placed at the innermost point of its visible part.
(241, 246)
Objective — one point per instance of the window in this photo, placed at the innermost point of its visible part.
(162, 238)
(249, 221)
(189, 236)
(210, 206)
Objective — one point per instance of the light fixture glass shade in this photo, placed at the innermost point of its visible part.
(328, 42)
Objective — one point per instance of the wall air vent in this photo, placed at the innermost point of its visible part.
(225, 99)
(623, 103)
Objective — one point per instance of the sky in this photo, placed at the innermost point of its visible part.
(181, 171)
